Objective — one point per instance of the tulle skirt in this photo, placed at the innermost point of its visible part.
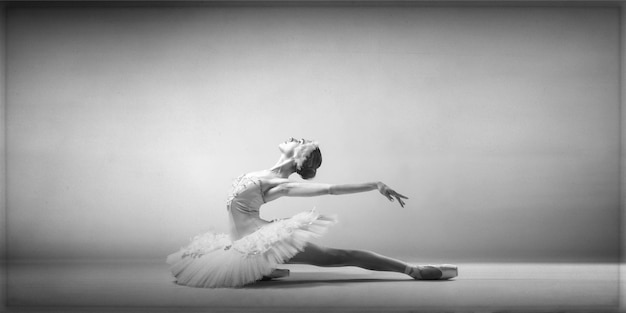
(212, 260)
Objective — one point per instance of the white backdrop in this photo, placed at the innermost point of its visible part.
(125, 126)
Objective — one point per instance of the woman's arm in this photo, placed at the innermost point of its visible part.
(293, 189)
(352, 188)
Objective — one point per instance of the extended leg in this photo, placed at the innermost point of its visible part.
(330, 257)
(323, 256)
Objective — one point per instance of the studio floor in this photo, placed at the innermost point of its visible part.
(147, 286)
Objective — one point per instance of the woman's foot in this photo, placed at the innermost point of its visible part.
(432, 272)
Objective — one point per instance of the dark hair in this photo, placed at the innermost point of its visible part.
(311, 164)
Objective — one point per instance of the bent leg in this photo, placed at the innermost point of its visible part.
(330, 257)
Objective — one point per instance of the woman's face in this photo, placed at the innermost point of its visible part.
(289, 146)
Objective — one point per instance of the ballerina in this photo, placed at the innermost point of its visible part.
(255, 247)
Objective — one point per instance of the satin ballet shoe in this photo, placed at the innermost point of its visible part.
(276, 273)
(432, 272)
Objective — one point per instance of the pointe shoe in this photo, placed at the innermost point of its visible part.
(276, 273)
(433, 272)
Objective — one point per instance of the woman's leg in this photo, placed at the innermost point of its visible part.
(330, 257)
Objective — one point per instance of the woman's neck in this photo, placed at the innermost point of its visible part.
(283, 168)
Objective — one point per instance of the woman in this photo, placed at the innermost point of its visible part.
(256, 246)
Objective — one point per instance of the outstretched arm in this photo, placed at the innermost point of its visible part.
(315, 189)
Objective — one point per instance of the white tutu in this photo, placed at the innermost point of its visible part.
(212, 260)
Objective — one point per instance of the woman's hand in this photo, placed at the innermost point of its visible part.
(390, 193)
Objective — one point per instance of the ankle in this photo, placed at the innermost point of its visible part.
(413, 271)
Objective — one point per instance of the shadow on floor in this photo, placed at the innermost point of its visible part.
(316, 279)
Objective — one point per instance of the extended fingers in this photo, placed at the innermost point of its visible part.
(401, 196)
(393, 195)
(400, 201)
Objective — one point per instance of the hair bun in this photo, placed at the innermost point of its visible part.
(308, 167)
(307, 173)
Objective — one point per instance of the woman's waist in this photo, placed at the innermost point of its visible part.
(243, 209)
(242, 225)
(243, 204)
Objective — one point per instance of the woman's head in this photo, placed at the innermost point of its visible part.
(310, 163)
(306, 155)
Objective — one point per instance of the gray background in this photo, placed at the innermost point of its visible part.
(126, 125)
